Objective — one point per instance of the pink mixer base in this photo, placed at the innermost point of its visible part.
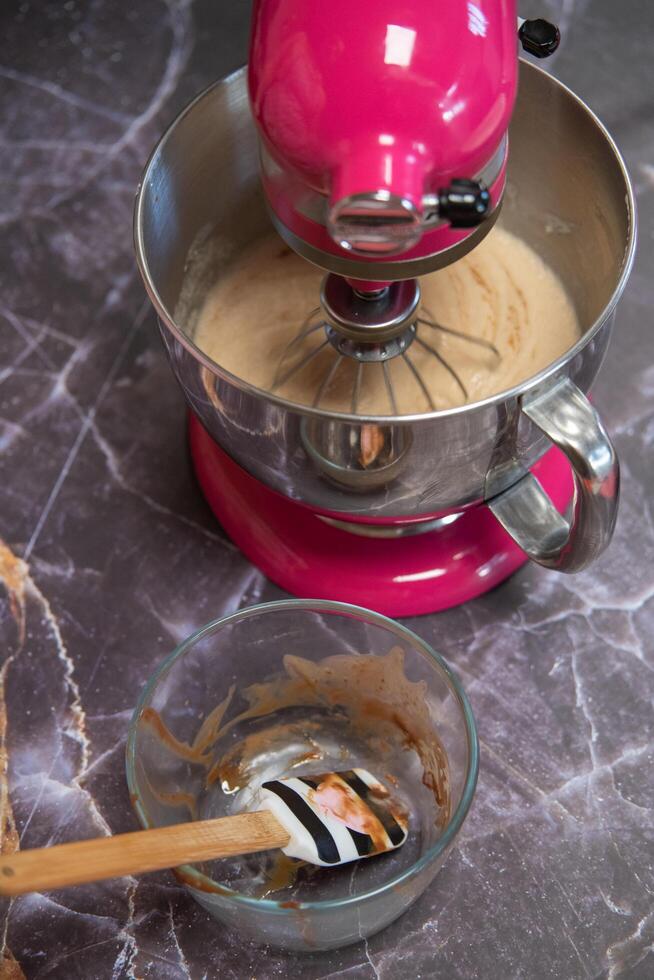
(407, 576)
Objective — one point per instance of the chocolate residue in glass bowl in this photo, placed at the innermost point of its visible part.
(209, 731)
(281, 875)
(364, 700)
(234, 769)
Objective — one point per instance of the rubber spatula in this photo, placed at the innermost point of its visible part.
(328, 819)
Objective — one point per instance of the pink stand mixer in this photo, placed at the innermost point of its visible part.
(381, 140)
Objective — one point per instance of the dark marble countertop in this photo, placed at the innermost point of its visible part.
(109, 555)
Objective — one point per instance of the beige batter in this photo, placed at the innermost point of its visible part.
(502, 292)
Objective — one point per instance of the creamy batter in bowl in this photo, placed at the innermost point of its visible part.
(502, 292)
(295, 688)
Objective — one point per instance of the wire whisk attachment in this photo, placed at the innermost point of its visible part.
(368, 337)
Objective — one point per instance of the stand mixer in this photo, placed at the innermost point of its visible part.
(383, 149)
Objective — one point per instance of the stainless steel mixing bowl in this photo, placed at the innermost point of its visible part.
(568, 196)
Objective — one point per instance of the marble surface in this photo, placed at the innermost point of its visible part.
(109, 555)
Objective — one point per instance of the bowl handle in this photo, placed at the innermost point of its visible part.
(566, 417)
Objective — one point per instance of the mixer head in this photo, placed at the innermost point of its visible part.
(384, 148)
(383, 127)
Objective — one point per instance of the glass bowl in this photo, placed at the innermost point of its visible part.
(304, 687)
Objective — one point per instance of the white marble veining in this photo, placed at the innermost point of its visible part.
(110, 556)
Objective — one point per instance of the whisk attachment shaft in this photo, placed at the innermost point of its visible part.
(370, 317)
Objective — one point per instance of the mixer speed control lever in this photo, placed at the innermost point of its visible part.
(465, 203)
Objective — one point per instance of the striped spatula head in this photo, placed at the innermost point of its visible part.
(335, 817)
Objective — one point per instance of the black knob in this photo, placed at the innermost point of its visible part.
(465, 203)
(539, 37)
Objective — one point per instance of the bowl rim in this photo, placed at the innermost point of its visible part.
(526, 387)
(439, 847)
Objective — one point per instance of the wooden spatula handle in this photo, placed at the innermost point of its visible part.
(143, 850)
